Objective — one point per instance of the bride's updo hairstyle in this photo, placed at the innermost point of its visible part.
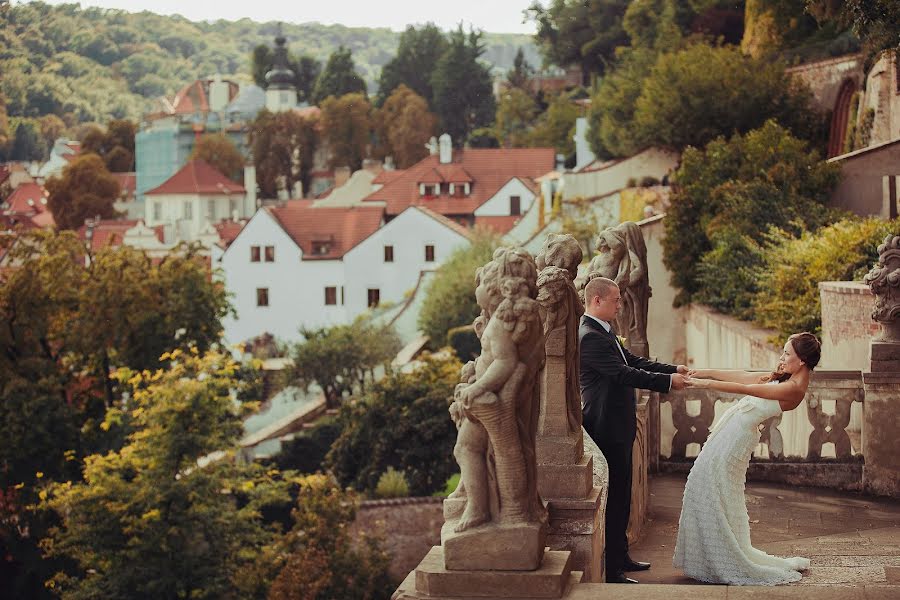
(808, 349)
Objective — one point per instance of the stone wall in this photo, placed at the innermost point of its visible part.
(847, 325)
(825, 78)
(715, 340)
(409, 528)
(665, 324)
(881, 96)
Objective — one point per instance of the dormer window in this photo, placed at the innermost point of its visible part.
(321, 248)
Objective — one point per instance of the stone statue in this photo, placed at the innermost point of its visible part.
(884, 281)
(622, 257)
(496, 405)
(561, 308)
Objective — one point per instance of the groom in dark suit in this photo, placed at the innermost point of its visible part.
(609, 375)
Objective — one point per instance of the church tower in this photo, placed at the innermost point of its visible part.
(281, 95)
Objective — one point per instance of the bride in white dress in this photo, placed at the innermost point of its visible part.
(713, 542)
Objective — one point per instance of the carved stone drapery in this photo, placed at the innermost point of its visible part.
(622, 257)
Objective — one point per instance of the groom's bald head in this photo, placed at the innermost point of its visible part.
(601, 298)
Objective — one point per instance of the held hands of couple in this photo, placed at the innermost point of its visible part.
(679, 378)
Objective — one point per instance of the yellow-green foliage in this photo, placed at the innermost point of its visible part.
(788, 298)
(392, 484)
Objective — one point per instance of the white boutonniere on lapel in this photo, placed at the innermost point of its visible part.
(621, 340)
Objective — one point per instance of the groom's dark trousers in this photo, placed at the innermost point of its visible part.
(609, 375)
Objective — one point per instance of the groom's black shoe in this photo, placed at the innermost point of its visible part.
(619, 578)
(634, 565)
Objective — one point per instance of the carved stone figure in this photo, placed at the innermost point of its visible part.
(561, 308)
(884, 281)
(622, 257)
(496, 404)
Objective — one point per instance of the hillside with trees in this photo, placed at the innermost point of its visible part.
(92, 64)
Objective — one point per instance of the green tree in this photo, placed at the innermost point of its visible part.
(149, 521)
(339, 77)
(66, 325)
(417, 56)
(4, 129)
(52, 127)
(578, 32)
(284, 146)
(520, 74)
(516, 111)
(463, 89)
(342, 359)
(347, 129)
(404, 125)
(115, 145)
(402, 422)
(85, 190)
(726, 198)
(788, 299)
(450, 299)
(319, 559)
(27, 142)
(875, 22)
(219, 151)
(555, 127)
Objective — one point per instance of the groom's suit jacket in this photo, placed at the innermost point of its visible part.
(607, 382)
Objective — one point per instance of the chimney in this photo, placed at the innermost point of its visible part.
(446, 149)
(341, 176)
(560, 162)
(432, 146)
(388, 163)
(583, 153)
(250, 190)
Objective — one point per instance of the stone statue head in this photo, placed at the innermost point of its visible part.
(506, 262)
(560, 250)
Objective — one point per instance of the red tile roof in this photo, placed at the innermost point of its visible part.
(500, 224)
(27, 199)
(44, 219)
(339, 228)
(108, 232)
(228, 230)
(489, 168)
(197, 177)
(386, 177)
(13, 222)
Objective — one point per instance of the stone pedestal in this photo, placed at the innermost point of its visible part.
(881, 422)
(554, 578)
(565, 473)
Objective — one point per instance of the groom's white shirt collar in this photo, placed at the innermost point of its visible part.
(605, 325)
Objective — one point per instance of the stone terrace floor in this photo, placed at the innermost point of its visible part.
(852, 540)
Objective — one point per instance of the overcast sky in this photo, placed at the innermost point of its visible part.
(496, 16)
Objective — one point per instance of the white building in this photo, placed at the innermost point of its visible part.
(192, 200)
(303, 266)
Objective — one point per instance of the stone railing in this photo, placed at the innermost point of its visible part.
(826, 429)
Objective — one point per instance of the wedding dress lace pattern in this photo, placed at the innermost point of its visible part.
(713, 542)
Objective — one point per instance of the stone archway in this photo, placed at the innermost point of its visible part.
(840, 117)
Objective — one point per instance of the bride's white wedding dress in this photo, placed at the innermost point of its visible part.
(714, 530)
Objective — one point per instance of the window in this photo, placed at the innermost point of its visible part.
(330, 296)
(429, 253)
(320, 248)
(373, 297)
(515, 205)
(157, 211)
(270, 253)
(388, 254)
(254, 253)
(262, 296)
(211, 210)
(188, 210)
(342, 295)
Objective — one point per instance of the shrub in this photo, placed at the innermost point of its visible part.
(450, 299)
(402, 422)
(649, 181)
(306, 452)
(788, 298)
(392, 484)
(631, 182)
(464, 342)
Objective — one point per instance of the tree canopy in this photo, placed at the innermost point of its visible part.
(463, 90)
(85, 190)
(347, 129)
(417, 56)
(339, 77)
(219, 151)
(284, 146)
(404, 125)
(115, 144)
